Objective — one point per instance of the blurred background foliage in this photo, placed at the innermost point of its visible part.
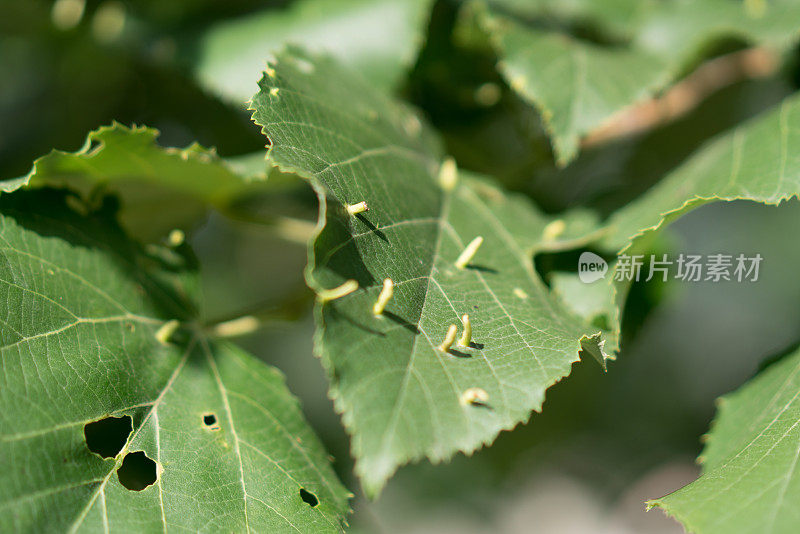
(605, 442)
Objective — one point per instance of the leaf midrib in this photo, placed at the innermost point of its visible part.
(388, 434)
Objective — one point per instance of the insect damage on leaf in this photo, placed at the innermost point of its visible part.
(137, 471)
(210, 420)
(76, 284)
(308, 497)
(421, 234)
(108, 436)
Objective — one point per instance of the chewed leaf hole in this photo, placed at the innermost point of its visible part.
(137, 471)
(308, 498)
(107, 436)
(210, 420)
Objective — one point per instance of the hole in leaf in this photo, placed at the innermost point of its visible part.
(308, 498)
(107, 436)
(137, 471)
(210, 420)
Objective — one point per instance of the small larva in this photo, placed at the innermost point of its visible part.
(383, 298)
(449, 338)
(466, 336)
(469, 253)
(348, 287)
(355, 209)
(164, 333)
(473, 396)
(553, 230)
(176, 238)
(448, 174)
(412, 125)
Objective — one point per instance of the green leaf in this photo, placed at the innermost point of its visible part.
(115, 154)
(680, 31)
(575, 85)
(756, 161)
(379, 38)
(615, 17)
(750, 481)
(578, 85)
(83, 311)
(399, 394)
(160, 188)
(747, 468)
(589, 301)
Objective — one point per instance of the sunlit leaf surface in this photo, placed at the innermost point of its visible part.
(194, 434)
(401, 396)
